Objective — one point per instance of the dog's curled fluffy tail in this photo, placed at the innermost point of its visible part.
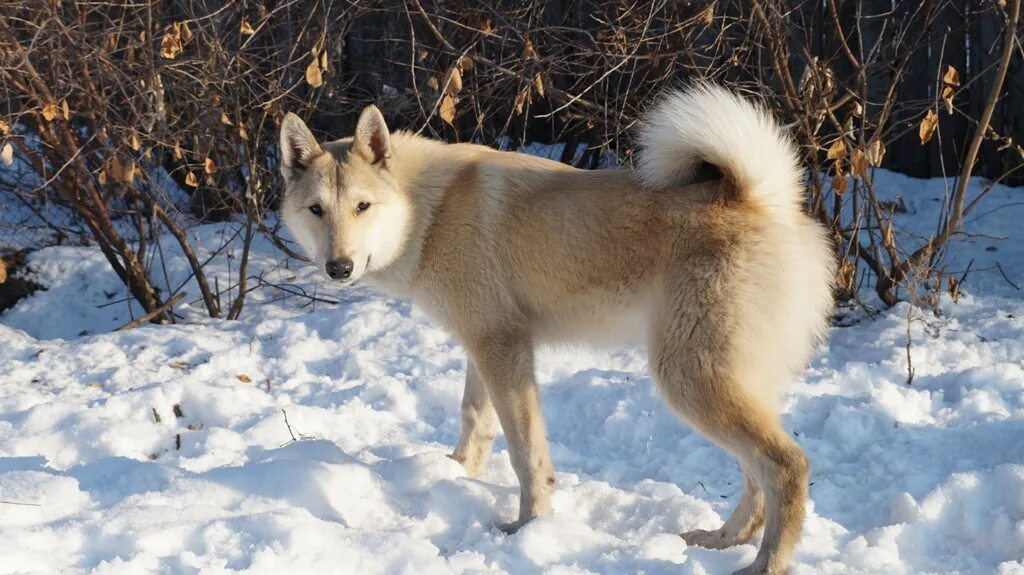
(707, 123)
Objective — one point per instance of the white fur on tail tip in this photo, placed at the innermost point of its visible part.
(705, 122)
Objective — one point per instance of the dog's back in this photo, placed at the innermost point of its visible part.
(584, 254)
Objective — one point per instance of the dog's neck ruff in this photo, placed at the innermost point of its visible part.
(423, 171)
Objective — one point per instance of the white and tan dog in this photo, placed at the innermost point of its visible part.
(703, 252)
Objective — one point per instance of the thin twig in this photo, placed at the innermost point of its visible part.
(6, 502)
(288, 424)
(1003, 273)
(158, 311)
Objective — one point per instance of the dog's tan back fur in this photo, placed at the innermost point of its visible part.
(726, 280)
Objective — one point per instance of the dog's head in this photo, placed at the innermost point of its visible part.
(341, 201)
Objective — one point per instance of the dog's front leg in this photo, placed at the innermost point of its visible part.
(479, 423)
(505, 363)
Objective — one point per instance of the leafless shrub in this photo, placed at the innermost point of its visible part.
(115, 107)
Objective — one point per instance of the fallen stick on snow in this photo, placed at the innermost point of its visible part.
(141, 320)
(20, 503)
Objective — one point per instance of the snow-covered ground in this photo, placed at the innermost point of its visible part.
(312, 437)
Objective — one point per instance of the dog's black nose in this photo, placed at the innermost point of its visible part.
(339, 269)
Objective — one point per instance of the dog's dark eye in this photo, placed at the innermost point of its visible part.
(316, 210)
(362, 206)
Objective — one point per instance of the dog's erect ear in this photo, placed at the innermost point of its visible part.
(372, 140)
(298, 146)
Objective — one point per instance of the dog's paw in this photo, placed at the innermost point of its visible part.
(715, 539)
(472, 471)
(513, 527)
(472, 466)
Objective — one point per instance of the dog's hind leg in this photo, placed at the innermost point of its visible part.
(776, 464)
(479, 423)
(691, 360)
(781, 468)
(505, 361)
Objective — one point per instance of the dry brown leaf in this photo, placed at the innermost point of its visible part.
(928, 125)
(314, 77)
(859, 164)
(133, 141)
(129, 173)
(209, 166)
(224, 119)
(447, 110)
(432, 83)
(190, 180)
(709, 15)
(246, 29)
(887, 237)
(170, 45)
(102, 178)
(826, 80)
(65, 109)
(528, 52)
(487, 26)
(521, 99)
(876, 152)
(5, 128)
(951, 77)
(453, 81)
(177, 151)
(466, 63)
(947, 98)
(7, 154)
(839, 183)
(538, 84)
(116, 169)
(49, 111)
(244, 378)
(846, 276)
(184, 32)
(179, 364)
(323, 60)
(3, 271)
(837, 150)
(242, 133)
